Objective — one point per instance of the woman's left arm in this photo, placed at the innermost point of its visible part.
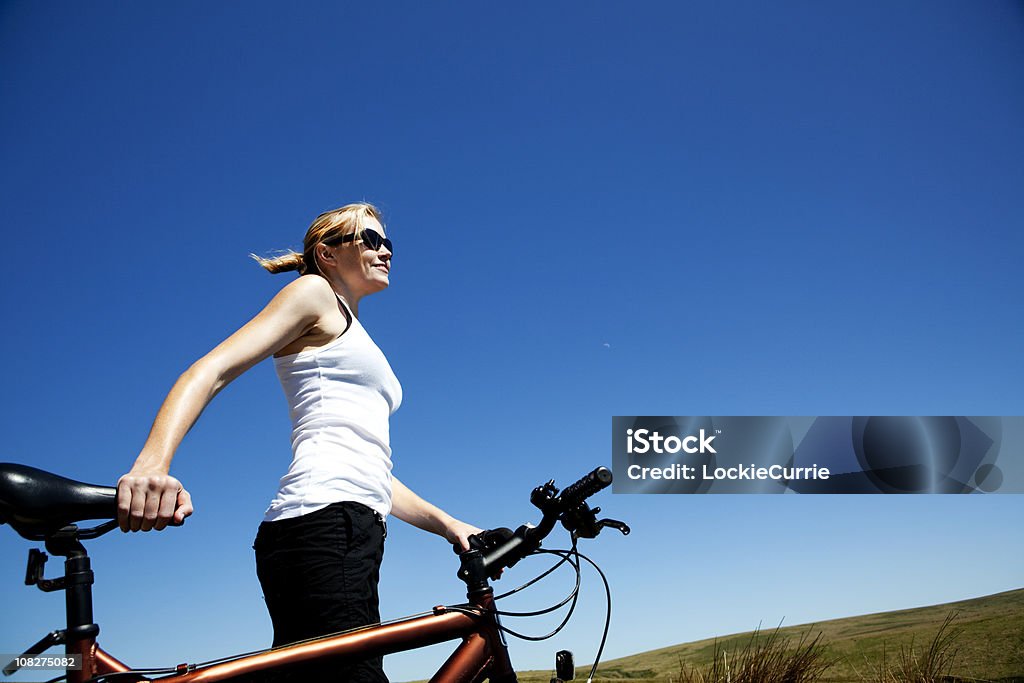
(409, 507)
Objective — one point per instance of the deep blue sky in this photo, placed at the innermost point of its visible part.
(715, 209)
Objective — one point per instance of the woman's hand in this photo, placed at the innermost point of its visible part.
(458, 534)
(151, 499)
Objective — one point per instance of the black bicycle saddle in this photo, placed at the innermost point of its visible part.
(37, 503)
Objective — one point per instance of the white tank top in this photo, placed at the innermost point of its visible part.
(340, 397)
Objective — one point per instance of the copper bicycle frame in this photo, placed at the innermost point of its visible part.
(481, 655)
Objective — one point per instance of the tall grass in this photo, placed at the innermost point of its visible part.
(933, 664)
(772, 658)
(763, 659)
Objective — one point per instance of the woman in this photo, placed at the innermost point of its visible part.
(319, 548)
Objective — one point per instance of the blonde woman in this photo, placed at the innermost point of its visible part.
(319, 548)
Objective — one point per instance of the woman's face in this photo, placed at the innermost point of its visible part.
(362, 269)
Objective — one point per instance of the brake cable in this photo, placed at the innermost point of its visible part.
(115, 675)
(573, 597)
(607, 618)
(565, 555)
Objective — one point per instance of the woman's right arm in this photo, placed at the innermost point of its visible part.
(147, 496)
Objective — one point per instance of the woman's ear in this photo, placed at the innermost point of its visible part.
(324, 253)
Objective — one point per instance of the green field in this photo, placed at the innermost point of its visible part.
(988, 644)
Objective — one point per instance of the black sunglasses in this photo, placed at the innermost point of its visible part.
(370, 238)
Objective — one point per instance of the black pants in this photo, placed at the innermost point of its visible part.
(319, 574)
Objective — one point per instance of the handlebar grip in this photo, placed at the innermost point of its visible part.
(489, 539)
(574, 494)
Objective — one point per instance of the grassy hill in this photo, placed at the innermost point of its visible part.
(988, 643)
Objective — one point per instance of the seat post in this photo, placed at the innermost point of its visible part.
(78, 580)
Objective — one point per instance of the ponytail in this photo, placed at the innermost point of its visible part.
(283, 263)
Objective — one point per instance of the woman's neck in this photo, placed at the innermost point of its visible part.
(350, 298)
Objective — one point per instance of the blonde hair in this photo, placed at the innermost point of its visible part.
(330, 225)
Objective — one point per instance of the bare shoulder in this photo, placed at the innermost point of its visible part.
(308, 295)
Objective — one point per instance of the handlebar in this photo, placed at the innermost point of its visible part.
(588, 485)
(500, 549)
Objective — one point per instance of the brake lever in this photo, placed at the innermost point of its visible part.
(582, 522)
(585, 524)
(615, 524)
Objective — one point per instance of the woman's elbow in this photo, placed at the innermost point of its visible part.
(206, 377)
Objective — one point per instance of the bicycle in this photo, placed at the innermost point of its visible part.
(41, 506)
